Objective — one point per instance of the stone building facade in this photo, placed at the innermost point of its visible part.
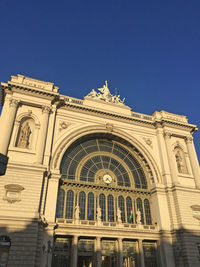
(91, 183)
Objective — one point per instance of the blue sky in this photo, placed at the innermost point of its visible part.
(149, 50)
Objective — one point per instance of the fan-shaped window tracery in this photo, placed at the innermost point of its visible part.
(102, 172)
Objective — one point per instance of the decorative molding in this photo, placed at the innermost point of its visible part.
(167, 135)
(13, 192)
(109, 127)
(188, 139)
(46, 109)
(63, 125)
(196, 211)
(14, 102)
(148, 141)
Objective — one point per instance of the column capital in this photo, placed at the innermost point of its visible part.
(46, 109)
(167, 135)
(188, 139)
(14, 102)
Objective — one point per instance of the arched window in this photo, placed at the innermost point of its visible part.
(90, 207)
(121, 207)
(69, 205)
(60, 203)
(140, 208)
(110, 202)
(102, 204)
(112, 172)
(82, 205)
(147, 211)
(129, 209)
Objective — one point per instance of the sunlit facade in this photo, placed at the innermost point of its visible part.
(92, 183)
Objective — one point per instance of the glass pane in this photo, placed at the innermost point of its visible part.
(82, 205)
(150, 254)
(147, 211)
(102, 204)
(90, 209)
(129, 209)
(110, 208)
(69, 205)
(61, 252)
(60, 203)
(122, 208)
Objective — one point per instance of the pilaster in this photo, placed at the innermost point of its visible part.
(193, 160)
(42, 134)
(7, 122)
(51, 201)
(98, 251)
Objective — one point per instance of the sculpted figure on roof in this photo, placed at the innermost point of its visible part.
(105, 95)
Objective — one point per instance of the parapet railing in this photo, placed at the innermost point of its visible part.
(90, 223)
(141, 116)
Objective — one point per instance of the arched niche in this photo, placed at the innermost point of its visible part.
(180, 159)
(25, 133)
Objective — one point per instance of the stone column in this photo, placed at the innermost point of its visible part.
(98, 251)
(193, 160)
(141, 253)
(42, 134)
(171, 158)
(74, 251)
(120, 252)
(7, 122)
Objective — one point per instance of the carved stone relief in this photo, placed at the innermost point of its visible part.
(148, 141)
(63, 125)
(109, 127)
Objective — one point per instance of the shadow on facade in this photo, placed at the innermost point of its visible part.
(29, 246)
(32, 247)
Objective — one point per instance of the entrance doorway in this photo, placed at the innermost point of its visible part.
(85, 261)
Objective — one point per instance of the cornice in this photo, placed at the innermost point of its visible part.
(106, 114)
(26, 167)
(174, 124)
(10, 88)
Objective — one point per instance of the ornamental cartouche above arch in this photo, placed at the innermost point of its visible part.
(139, 148)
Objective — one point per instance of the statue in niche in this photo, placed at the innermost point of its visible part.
(76, 213)
(138, 217)
(119, 218)
(98, 214)
(24, 138)
(179, 162)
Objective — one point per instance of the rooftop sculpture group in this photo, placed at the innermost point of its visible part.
(105, 95)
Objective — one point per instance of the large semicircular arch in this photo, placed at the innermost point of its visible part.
(143, 153)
